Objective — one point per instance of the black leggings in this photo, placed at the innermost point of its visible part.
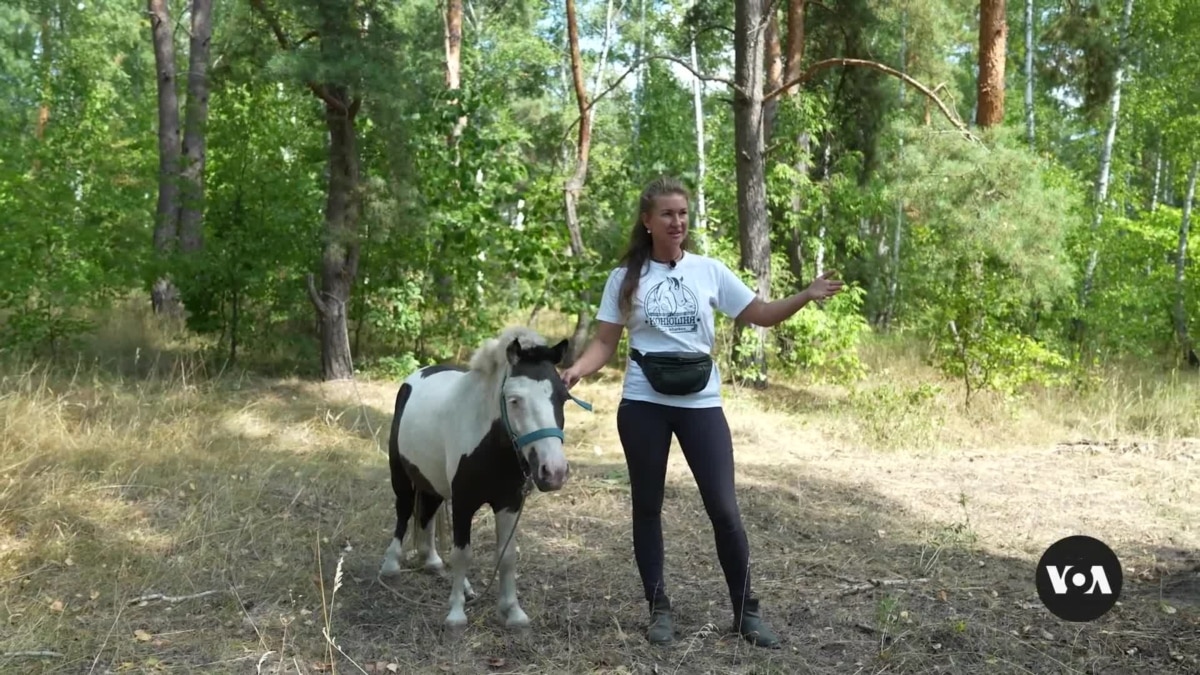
(645, 430)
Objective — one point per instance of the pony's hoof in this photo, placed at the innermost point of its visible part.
(516, 619)
(389, 568)
(435, 567)
(456, 621)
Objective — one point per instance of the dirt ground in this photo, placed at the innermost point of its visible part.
(252, 496)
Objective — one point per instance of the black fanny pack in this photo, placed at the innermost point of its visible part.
(675, 373)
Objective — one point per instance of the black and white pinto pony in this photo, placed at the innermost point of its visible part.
(484, 434)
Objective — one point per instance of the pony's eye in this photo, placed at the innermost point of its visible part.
(514, 401)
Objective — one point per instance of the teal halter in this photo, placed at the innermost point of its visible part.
(536, 435)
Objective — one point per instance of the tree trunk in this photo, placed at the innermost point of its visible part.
(339, 260)
(751, 190)
(639, 87)
(774, 71)
(1105, 162)
(454, 23)
(993, 35)
(795, 44)
(164, 297)
(1181, 319)
(893, 266)
(1029, 73)
(1158, 165)
(701, 163)
(46, 73)
(605, 45)
(574, 184)
(793, 55)
(191, 214)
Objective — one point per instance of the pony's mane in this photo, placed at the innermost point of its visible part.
(491, 357)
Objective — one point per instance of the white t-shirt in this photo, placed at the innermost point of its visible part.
(672, 310)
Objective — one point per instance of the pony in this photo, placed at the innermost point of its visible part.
(484, 434)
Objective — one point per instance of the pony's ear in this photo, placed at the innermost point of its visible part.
(514, 351)
(560, 350)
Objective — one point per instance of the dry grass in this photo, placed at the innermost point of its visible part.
(243, 498)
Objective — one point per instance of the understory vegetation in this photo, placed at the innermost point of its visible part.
(229, 227)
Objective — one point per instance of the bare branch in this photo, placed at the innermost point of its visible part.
(322, 93)
(32, 655)
(881, 583)
(174, 598)
(273, 22)
(817, 67)
(315, 296)
(637, 64)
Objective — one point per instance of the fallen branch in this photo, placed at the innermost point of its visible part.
(880, 583)
(32, 655)
(174, 598)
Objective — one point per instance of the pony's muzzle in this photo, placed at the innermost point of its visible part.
(550, 478)
(551, 470)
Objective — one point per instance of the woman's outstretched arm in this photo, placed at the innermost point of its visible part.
(774, 312)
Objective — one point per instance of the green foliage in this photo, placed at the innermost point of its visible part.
(457, 239)
(996, 359)
(1135, 285)
(73, 188)
(988, 254)
(893, 416)
(824, 342)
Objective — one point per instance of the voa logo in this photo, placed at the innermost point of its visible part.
(1079, 578)
(1099, 580)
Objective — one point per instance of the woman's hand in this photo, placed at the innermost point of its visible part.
(824, 287)
(570, 376)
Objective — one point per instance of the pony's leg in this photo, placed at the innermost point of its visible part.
(460, 562)
(428, 504)
(507, 604)
(405, 494)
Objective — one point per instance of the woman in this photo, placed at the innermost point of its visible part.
(666, 296)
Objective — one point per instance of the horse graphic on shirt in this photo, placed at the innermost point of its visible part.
(672, 306)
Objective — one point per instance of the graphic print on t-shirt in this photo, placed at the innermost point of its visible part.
(672, 307)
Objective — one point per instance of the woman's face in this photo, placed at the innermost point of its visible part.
(668, 220)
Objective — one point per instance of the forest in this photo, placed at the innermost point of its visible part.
(231, 227)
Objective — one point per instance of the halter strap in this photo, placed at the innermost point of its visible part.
(536, 435)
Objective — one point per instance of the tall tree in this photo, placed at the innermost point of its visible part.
(754, 239)
(164, 296)
(1029, 47)
(180, 210)
(574, 184)
(339, 33)
(1181, 255)
(1106, 151)
(191, 208)
(993, 37)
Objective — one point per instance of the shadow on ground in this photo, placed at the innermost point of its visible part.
(852, 581)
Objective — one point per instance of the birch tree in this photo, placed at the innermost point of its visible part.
(1106, 152)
